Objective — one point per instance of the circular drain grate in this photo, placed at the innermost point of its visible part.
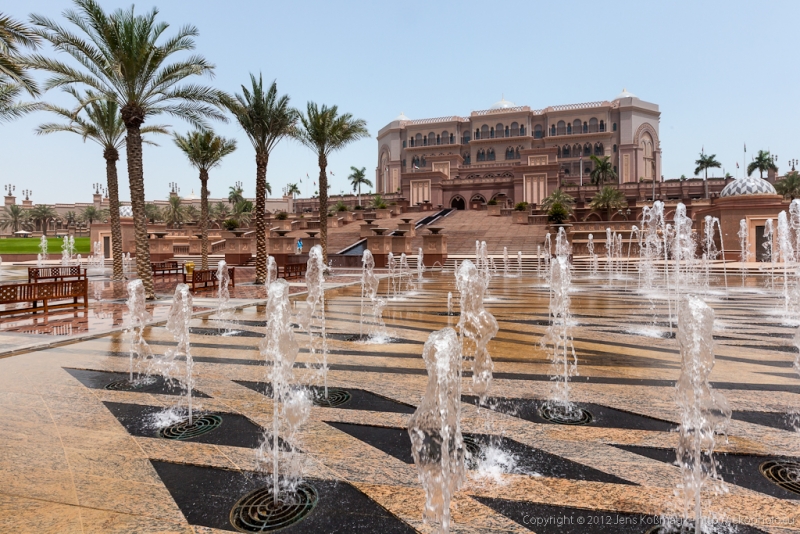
(336, 397)
(560, 416)
(472, 446)
(257, 511)
(784, 474)
(127, 385)
(199, 426)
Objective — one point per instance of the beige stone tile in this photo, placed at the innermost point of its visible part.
(110, 465)
(129, 497)
(45, 484)
(20, 515)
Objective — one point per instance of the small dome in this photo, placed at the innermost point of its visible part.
(192, 196)
(502, 104)
(750, 185)
(625, 94)
(401, 117)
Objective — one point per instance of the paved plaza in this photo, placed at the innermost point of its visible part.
(74, 458)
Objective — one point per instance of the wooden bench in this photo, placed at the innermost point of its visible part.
(166, 268)
(37, 274)
(206, 277)
(293, 270)
(45, 291)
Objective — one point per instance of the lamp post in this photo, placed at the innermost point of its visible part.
(27, 193)
(793, 163)
(10, 189)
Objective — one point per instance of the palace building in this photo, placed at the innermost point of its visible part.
(514, 153)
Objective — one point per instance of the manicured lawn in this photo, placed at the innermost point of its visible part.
(30, 245)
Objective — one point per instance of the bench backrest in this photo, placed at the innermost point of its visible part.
(164, 265)
(41, 273)
(44, 290)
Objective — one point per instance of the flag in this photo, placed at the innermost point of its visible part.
(737, 164)
(331, 173)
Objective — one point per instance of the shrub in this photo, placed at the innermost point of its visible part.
(282, 216)
(492, 202)
(341, 206)
(521, 206)
(557, 214)
(230, 224)
(378, 203)
(359, 207)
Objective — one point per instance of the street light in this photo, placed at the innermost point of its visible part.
(10, 189)
(27, 193)
(792, 163)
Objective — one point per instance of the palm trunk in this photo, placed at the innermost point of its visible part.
(133, 118)
(359, 193)
(262, 159)
(112, 155)
(705, 184)
(204, 218)
(323, 206)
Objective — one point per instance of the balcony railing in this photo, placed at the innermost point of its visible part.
(499, 135)
(413, 144)
(571, 131)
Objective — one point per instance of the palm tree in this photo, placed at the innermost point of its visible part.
(70, 217)
(124, 62)
(358, 178)
(242, 213)
(324, 131)
(608, 199)
(603, 170)
(40, 215)
(763, 162)
(292, 190)
(15, 217)
(703, 164)
(10, 109)
(205, 150)
(91, 214)
(266, 118)
(558, 197)
(192, 213)
(102, 125)
(220, 212)
(235, 194)
(14, 36)
(174, 213)
(789, 187)
(152, 212)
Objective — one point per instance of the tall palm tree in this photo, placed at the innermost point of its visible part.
(266, 118)
(242, 213)
(789, 187)
(91, 214)
(358, 178)
(763, 162)
(10, 109)
(13, 37)
(15, 217)
(703, 164)
(205, 150)
(235, 194)
(292, 190)
(40, 215)
(125, 60)
(608, 199)
(558, 197)
(103, 125)
(603, 170)
(324, 131)
(152, 212)
(220, 212)
(174, 213)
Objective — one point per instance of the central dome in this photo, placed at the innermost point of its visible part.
(749, 185)
(502, 104)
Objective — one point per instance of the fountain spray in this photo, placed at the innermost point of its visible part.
(139, 349)
(43, 250)
(744, 245)
(180, 314)
(313, 316)
(593, 262)
(703, 411)
(519, 263)
(279, 350)
(476, 325)
(224, 311)
(505, 262)
(272, 272)
(369, 291)
(420, 267)
(435, 428)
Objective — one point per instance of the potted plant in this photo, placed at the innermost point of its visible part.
(557, 214)
(493, 208)
(381, 209)
(520, 213)
(232, 226)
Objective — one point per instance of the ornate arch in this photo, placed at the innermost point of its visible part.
(647, 127)
(593, 216)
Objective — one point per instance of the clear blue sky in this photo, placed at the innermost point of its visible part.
(723, 73)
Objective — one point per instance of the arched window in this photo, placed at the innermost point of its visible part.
(445, 137)
(425, 141)
(490, 154)
(615, 149)
(565, 151)
(602, 126)
(516, 153)
(422, 161)
(509, 153)
(481, 155)
(499, 129)
(431, 138)
(438, 140)
(587, 149)
(477, 133)
(566, 171)
(403, 163)
(576, 149)
(484, 132)
(452, 138)
(569, 129)
(478, 198)
(491, 133)
(418, 139)
(585, 127)
(538, 132)
(598, 149)
(587, 170)
(514, 129)
(559, 151)
(415, 161)
(466, 158)
(522, 130)
(561, 128)
(506, 132)
(552, 129)
(593, 125)
(614, 127)
(576, 126)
